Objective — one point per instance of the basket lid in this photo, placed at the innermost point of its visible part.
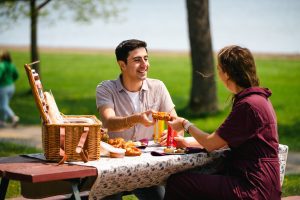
(37, 91)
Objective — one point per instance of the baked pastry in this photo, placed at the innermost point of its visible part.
(161, 116)
(129, 147)
(132, 151)
(116, 142)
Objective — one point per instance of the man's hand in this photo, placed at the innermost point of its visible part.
(144, 118)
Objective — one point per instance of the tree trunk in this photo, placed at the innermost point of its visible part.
(203, 98)
(34, 46)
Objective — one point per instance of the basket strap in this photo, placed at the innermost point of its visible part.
(79, 148)
(62, 135)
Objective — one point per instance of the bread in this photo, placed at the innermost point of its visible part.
(53, 112)
(129, 146)
(113, 152)
(116, 142)
(116, 155)
(161, 116)
(132, 151)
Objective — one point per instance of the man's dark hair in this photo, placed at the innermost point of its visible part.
(123, 49)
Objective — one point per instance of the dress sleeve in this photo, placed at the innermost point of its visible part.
(240, 125)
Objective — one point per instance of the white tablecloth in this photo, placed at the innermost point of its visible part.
(128, 173)
(125, 174)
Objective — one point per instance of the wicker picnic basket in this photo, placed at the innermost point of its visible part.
(64, 137)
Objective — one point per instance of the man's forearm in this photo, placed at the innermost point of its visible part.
(121, 123)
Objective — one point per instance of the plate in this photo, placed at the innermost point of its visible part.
(174, 153)
(141, 147)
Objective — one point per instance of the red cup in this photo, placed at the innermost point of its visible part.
(170, 137)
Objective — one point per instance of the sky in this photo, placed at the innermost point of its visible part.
(268, 26)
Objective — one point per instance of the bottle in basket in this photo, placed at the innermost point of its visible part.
(170, 137)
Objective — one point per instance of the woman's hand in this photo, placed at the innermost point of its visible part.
(176, 123)
(163, 138)
(186, 142)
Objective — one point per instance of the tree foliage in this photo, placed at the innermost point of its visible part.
(79, 10)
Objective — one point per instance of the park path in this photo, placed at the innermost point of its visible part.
(31, 136)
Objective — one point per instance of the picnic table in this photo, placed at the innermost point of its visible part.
(112, 175)
(108, 176)
(35, 171)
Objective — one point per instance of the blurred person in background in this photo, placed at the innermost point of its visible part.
(8, 76)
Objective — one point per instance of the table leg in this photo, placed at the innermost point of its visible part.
(75, 190)
(3, 188)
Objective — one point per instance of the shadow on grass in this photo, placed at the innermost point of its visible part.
(11, 149)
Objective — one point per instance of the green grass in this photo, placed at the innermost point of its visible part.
(73, 77)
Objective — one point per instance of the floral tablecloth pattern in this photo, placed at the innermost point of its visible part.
(125, 174)
(129, 173)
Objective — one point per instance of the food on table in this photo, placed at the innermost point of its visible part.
(141, 143)
(104, 135)
(111, 150)
(129, 146)
(180, 150)
(137, 143)
(161, 116)
(132, 151)
(116, 142)
(116, 155)
(169, 150)
(173, 150)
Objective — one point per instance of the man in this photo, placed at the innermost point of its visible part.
(126, 104)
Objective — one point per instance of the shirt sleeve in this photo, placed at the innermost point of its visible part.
(167, 104)
(104, 96)
(240, 125)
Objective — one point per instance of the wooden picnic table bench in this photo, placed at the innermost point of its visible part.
(39, 172)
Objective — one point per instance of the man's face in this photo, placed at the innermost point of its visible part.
(137, 64)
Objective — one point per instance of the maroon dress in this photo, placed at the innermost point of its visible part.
(251, 169)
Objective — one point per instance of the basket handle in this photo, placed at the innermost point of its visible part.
(62, 134)
(79, 149)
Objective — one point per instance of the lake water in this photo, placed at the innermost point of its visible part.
(267, 26)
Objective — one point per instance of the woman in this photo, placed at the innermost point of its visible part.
(8, 75)
(251, 170)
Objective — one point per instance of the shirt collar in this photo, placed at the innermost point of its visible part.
(120, 86)
(265, 92)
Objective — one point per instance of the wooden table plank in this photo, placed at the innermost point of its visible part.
(34, 170)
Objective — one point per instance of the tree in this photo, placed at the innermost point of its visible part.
(83, 11)
(203, 98)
